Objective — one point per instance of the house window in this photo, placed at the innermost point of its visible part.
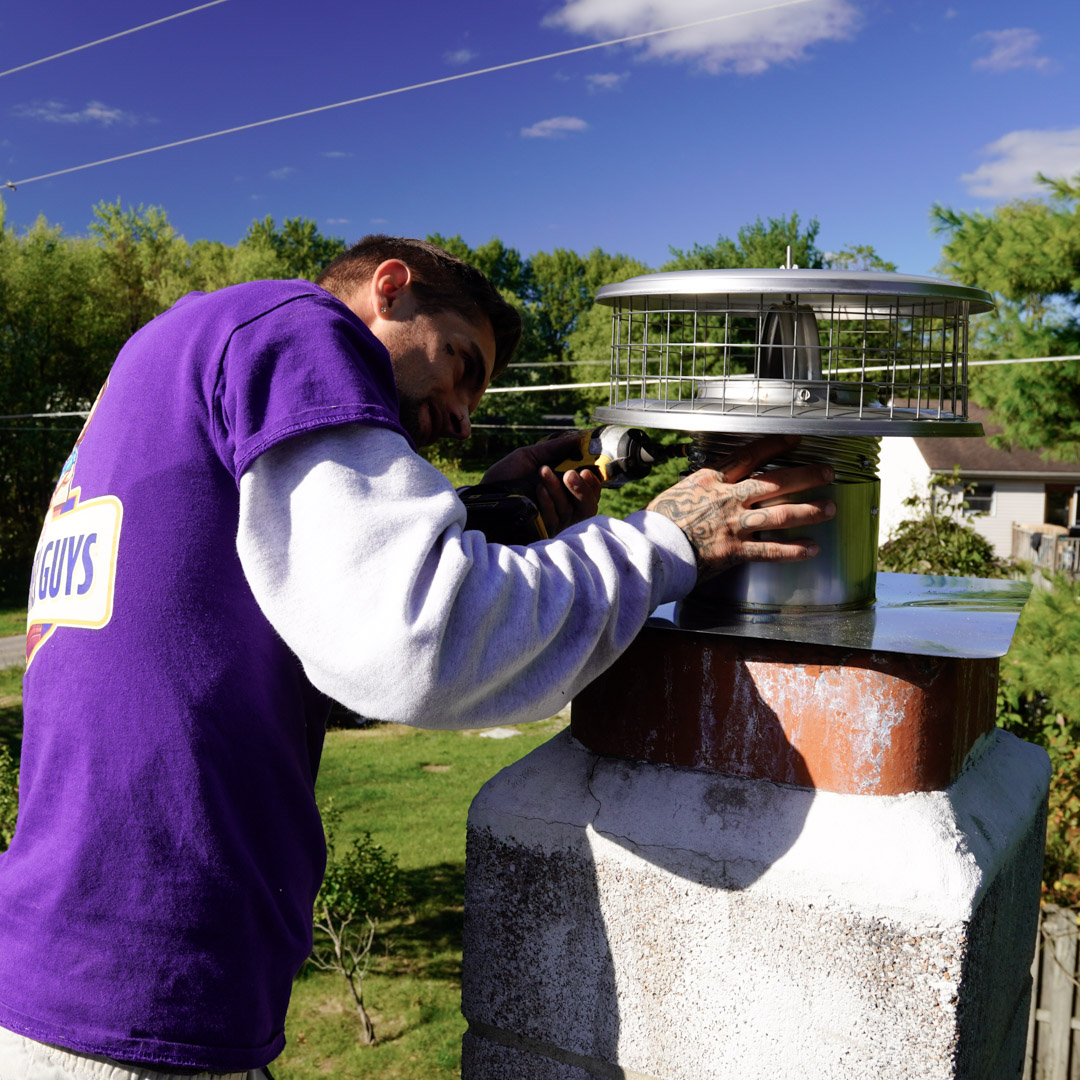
(974, 498)
(980, 500)
(1058, 504)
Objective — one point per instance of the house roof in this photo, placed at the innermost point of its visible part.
(976, 457)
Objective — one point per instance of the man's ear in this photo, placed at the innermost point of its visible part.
(389, 286)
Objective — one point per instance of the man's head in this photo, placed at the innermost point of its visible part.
(447, 329)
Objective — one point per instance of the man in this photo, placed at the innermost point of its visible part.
(243, 531)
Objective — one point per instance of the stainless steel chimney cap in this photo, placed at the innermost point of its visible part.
(817, 288)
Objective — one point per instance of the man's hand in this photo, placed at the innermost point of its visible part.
(719, 508)
(562, 501)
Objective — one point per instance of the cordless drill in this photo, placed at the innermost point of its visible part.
(509, 515)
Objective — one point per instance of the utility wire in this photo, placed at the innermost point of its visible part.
(111, 37)
(553, 386)
(403, 90)
(930, 361)
(43, 415)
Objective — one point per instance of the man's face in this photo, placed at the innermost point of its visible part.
(442, 365)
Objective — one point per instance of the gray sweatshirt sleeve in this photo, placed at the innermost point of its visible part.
(356, 551)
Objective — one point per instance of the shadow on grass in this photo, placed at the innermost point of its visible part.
(427, 945)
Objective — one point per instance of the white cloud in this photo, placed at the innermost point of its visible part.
(337, 221)
(337, 153)
(554, 127)
(94, 112)
(1011, 49)
(458, 57)
(281, 174)
(378, 221)
(606, 81)
(747, 43)
(1018, 156)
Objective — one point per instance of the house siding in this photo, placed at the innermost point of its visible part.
(904, 472)
(1019, 501)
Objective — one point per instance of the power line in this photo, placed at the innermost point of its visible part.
(542, 389)
(111, 37)
(403, 90)
(560, 363)
(930, 361)
(1024, 360)
(44, 415)
(553, 386)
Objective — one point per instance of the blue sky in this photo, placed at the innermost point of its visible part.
(861, 113)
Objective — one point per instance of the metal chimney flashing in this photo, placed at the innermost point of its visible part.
(920, 614)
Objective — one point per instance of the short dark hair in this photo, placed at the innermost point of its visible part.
(439, 281)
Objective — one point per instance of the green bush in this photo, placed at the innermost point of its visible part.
(361, 886)
(9, 796)
(935, 541)
(1039, 700)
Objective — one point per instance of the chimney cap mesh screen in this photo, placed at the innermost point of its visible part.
(812, 351)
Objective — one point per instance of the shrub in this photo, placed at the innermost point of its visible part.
(9, 796)
(361, 886)
(934, 541)
(1039, 700)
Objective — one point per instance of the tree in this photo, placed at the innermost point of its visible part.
(296, 250)
(143, 268)
(1026, 252)
(503, 266)
(935, 540)
(859, 257)
(360, 887)
(588, 343)
(759, 244)
(58, 336)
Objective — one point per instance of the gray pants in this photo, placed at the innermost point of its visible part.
(24, 1059)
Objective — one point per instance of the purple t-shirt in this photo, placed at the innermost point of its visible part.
(156, 900)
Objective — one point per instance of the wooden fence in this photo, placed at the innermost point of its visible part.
(1052, 550)
(1053, 1040)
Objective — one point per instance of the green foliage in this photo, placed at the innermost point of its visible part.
(554, 293)
(1043, 665)
(411, 788)
(68, 304)
(59, 332)
(935, 541)
(1027, 252)
(296, 250)
(361, 886)
(9, 796)
(760, 244)
(1039, 700)
(503, 266)
(859, 257)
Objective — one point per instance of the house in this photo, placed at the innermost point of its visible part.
(1011, 486)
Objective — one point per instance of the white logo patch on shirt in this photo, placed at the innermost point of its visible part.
(75, 565)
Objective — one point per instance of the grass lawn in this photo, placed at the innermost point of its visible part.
(411, 790)
(12, 621)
